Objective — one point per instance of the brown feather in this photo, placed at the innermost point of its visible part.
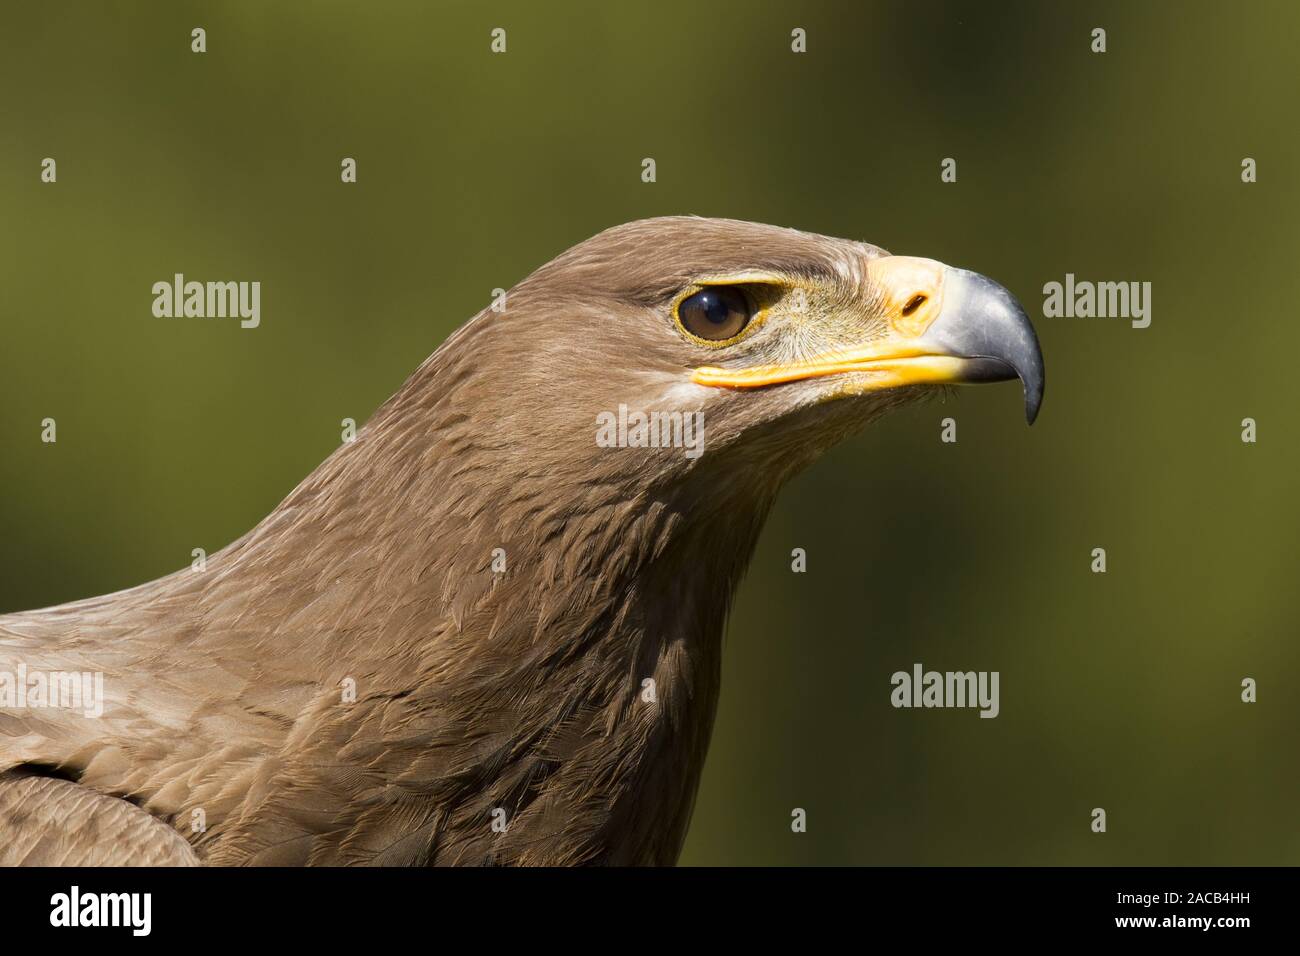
(475, 690)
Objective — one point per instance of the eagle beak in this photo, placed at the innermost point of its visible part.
(986, 330)
(948, 327)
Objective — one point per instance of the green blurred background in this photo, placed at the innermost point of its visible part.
(1118, 690)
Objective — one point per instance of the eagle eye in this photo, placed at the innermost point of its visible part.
(716, 313)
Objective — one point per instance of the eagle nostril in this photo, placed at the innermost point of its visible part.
(913, 304)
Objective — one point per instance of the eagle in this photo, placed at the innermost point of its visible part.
(487, 631)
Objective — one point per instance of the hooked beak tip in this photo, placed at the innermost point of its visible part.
(983, 323)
